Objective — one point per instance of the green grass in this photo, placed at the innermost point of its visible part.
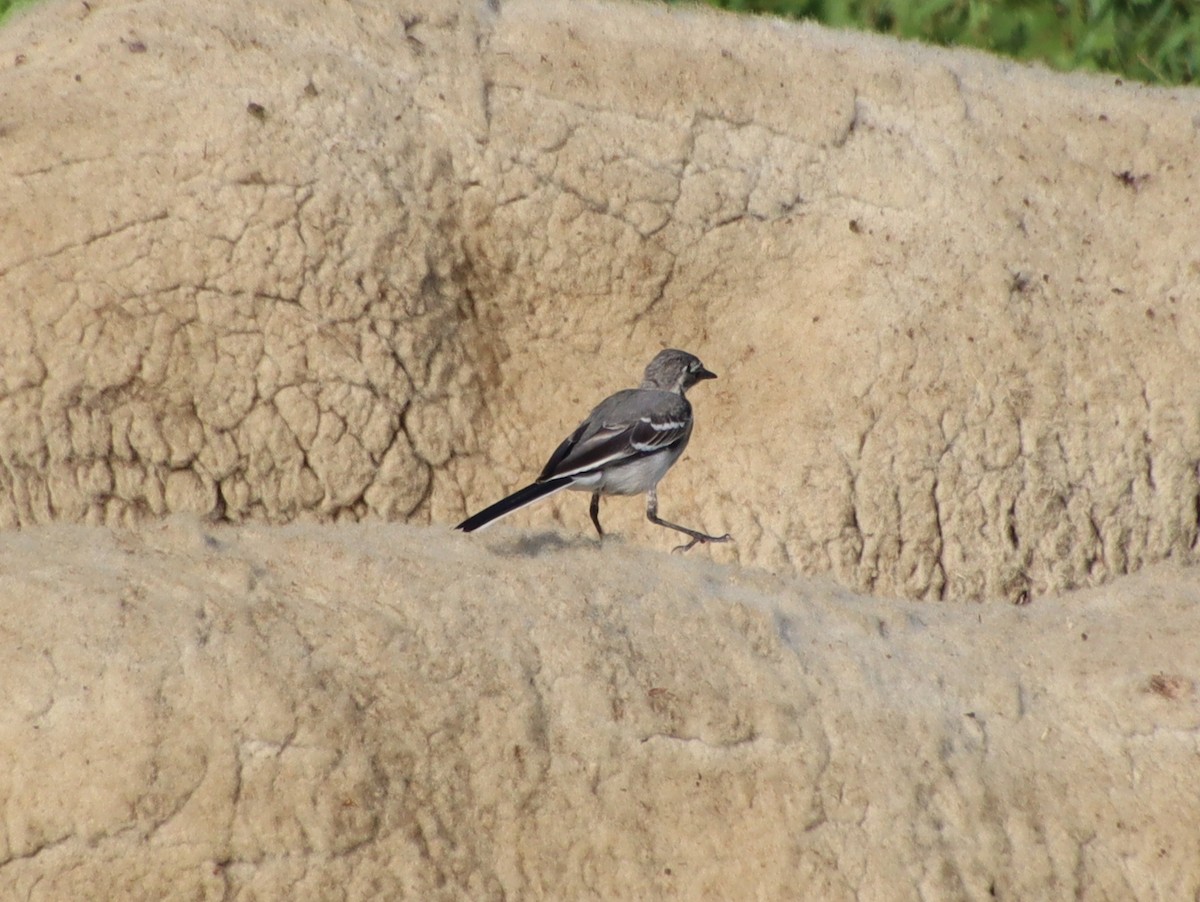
(1156, 41)
(7, 6)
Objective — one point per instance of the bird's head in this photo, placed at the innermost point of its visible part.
(675, 371)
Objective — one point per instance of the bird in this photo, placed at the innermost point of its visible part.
(624, 447)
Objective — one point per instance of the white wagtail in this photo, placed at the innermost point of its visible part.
(624, 447)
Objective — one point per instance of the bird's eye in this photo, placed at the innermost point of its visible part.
(693, 366)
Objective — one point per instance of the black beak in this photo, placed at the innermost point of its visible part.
(703, 373)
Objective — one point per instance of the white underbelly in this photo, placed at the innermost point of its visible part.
(634, 478)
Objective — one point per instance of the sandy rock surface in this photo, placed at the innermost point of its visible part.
(316, 712)
(292, 261)
(346, 264)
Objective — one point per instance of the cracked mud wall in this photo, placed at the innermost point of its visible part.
(316, 712)
(234, 286)
(953, 302)
(311, 263)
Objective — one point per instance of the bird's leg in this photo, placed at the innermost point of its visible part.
(697, 537)
(595, 512)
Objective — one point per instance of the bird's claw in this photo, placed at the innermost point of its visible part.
(701, 540)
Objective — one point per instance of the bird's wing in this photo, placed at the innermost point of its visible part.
(630, 424)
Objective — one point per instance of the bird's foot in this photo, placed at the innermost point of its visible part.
(699, 538)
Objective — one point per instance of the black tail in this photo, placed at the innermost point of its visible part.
(515, 502)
